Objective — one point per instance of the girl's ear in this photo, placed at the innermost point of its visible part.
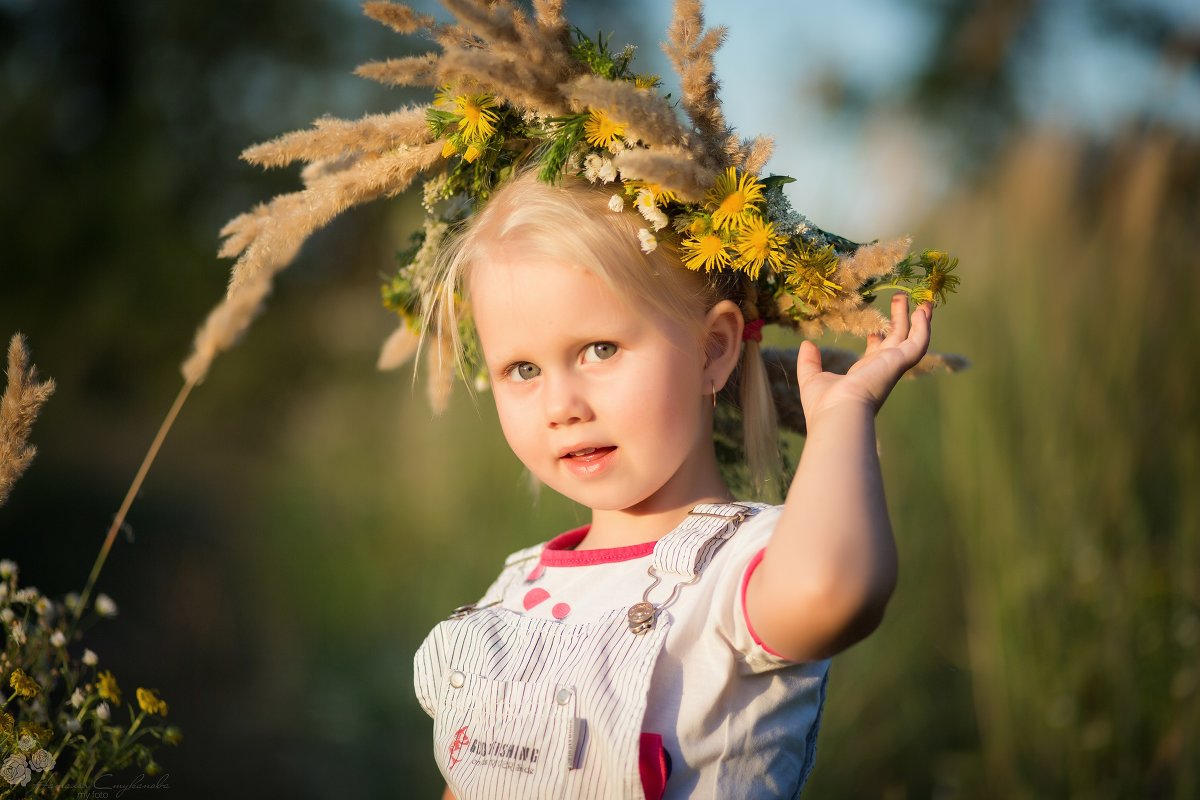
(723, 326)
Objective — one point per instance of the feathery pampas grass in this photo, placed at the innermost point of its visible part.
(23, 399)
(691, 49)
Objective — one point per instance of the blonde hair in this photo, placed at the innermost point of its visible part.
(574, 217)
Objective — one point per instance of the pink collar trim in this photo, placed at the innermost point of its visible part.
(560, 551)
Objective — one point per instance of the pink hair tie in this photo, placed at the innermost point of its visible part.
(753, 330)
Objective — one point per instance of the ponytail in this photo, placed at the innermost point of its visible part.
(760, 429)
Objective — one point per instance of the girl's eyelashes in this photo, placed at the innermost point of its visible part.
(523, 371)
(599, 351)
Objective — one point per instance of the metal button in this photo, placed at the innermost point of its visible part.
(457, 679)
(563, 697)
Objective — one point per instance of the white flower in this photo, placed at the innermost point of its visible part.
(616, 203)
(73, 725)
(58, 638)
(6, 615)
(102, 711)
(3, 590)
(617, 145)
(105, 606)
(18, 632)
(89, 658)
(42, 760)
(607, 171)
(44, 606)
(76, 698)
(26, 743)
(71, 600)
(647, 239)
(591, 167)
(27, 595)
(16, 770)
(432, 190)
(653, 214)
(8, 568)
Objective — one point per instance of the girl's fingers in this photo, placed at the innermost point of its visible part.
(900, 321)
(917, 343)
(808, 362)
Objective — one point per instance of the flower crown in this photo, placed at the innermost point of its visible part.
(516, 92)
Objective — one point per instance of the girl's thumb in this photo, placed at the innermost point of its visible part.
(808, 362)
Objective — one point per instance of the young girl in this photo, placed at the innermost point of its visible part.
(605, 258)
(678, 645)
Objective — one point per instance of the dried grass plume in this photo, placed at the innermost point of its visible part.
(23, 398)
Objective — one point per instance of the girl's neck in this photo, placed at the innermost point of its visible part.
(654, 518)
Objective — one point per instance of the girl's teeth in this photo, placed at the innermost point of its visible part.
(584, 451)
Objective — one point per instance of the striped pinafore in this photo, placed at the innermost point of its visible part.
(537, 708)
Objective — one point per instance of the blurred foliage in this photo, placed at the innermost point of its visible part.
(307, 520)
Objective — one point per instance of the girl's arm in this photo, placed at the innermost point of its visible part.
(830, 567)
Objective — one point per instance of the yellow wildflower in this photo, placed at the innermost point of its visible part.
(448, 148)
(6, 722)
(478, 120)
(707, 251)
(938, 280)
(24, 685)
(646, 81)
(809, 270)
(759, 244)
(150, 702)
(471, 154)
(601, 130)
(732, 199)
(109, 690)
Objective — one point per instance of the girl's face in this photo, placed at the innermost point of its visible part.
(604, 402)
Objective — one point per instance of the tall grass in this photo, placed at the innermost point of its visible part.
(1045, 639)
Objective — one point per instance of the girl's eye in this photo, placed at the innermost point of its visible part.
(600, 351)
(524, 371)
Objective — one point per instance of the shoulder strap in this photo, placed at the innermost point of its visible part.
(688, 549)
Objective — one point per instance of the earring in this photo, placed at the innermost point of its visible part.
(714, 394)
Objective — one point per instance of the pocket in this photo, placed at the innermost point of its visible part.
(506, 738)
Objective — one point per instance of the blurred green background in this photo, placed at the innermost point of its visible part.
(308, 519)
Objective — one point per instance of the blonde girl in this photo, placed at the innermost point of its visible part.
(604, 363)
(604, 257)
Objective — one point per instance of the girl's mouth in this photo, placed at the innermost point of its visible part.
(588, 461)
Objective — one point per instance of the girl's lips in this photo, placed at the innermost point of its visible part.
(589, 461)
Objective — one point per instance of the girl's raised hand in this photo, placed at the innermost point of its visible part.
(872, 377)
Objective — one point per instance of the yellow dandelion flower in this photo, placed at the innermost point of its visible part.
(808, 272)
(24, 685)
(601, 130)
(448, 148)
(6, 722)
(707, 251)
(109, 690)
(150, 702)
(759, 244)
(646, 81)
(472, 153)
(478, 120)
(732, 199)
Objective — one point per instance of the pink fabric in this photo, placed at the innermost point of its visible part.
(560, 552)
(754, 562)
(752, 332)
(652, 765)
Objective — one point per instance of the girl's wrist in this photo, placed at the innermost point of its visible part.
(847, 411)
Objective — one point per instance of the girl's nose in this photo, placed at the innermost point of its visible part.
(565, 402)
